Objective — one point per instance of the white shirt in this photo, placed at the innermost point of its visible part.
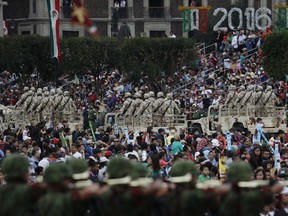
(44, 163)
(77, 155)
(172, 36)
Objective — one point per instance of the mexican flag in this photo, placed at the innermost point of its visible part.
(54, 19)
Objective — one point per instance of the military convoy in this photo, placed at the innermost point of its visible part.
(217, 119)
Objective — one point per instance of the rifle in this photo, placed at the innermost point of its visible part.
(167, 108)
(259, 98)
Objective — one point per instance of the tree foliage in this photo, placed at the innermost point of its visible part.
(136, 57)
(275, 51)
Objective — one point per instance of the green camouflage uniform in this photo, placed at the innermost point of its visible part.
(186, 199)
(17, 198)
(56, 202)
(243, 201)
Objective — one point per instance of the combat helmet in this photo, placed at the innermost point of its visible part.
(183, 172)
(127, 94)
(56, 173)
(242, 88)
(25, 89)
(239, 171)
(15, 166)
(139, 176)
(160, 94)
(259, 88)
(151, 94)
(80, 173)
(66, 93)
(146, 95)
(269, 88)
(118, 170)
(59, 91)
(45, 88)
(170, 96)
(249, 87)
(32, 88)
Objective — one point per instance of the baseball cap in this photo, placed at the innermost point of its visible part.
(108, 154)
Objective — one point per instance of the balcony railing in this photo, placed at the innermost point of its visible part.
(157, 12)
(123, 12)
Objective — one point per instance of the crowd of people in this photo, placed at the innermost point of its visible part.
(171, 161)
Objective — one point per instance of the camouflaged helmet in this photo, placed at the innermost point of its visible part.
(249, 87)
(139, 175)
(80, 173)
(146, 95)
(259, 88)
(170, 96)
(59, 91)
(127, 94)
(269, 88)
(14, 166)
(46, 93)
(160, 94)
(26, 88)
(239, 171)
(32, 89)
(118, 170)
(56, 173)
(151, 94)
(137, 95)
(45, 88)
(79, 168)
(183, 171)
(66, 93)
(138, 171)
(242, 88)
(39, 90)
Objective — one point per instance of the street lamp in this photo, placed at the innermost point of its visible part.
(2, 4)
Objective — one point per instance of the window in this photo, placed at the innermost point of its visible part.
(25, 32)
(156, 8)
(68, 34)
(34, 29)
(154, 34)
(34, 6)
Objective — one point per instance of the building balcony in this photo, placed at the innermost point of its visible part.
(66, 12)
(157, 12)
(122, 12)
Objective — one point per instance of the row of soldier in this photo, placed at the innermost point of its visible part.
(69, 191)
(45, 101)
(150, 110)
(257, 101)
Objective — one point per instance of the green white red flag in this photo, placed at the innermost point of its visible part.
(54, 20)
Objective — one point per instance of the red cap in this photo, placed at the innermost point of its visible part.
(108, 154)
(56, 141)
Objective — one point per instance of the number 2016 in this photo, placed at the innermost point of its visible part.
(252, 17)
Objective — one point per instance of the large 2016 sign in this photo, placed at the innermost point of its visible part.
(253, 18)
(193, 18)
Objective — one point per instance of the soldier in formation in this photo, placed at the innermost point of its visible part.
(257, 102)
(149, 111)
(43, 102)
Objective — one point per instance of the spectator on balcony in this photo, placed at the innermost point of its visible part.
(116, 5)
(172, 35)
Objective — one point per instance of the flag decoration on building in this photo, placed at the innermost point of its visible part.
(194, 18)
(5, 27)
(54, 19)
(282, 17)
(80, 17)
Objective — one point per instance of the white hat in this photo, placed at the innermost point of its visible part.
(215, 143)
(196, 154)
(284, 191)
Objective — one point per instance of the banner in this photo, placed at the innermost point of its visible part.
(54, 19)
(80, 17)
